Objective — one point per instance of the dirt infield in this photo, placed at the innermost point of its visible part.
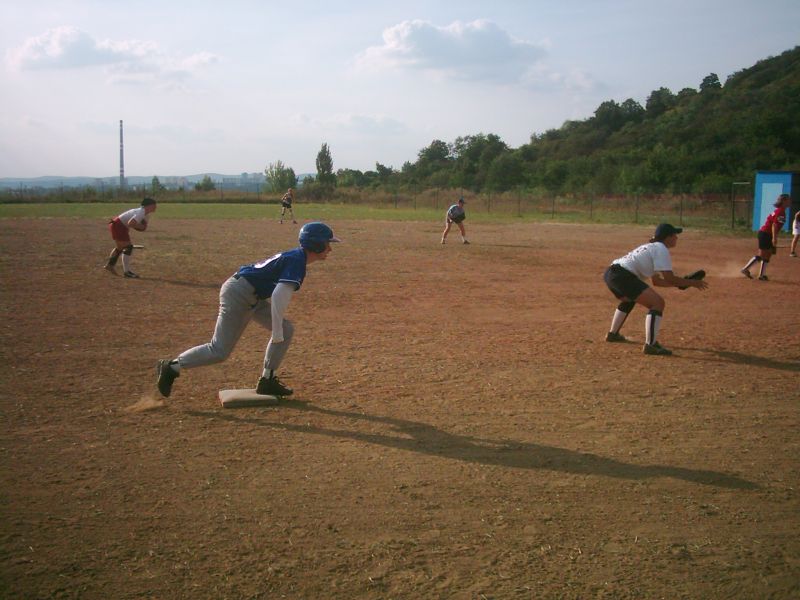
(459, 427)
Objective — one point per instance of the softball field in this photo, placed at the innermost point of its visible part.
(459, 429)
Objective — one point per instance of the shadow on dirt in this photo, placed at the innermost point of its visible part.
(419, 437)
(192, 284)
(742, 359)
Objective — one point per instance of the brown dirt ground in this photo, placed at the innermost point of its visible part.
(459, 427)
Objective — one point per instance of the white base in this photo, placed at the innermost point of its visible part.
(245, 398)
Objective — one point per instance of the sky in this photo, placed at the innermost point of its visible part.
(234, 86)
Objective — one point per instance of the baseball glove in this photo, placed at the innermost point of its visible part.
(458, 219)
(697, 275)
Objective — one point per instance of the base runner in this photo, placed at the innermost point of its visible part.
(261, 292)
(768, 237)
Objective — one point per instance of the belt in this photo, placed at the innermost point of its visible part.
(236, 276)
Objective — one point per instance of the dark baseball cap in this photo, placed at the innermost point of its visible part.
(664, 230)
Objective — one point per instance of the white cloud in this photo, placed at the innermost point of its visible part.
(377, 125)
(475, 51)
(126, 61)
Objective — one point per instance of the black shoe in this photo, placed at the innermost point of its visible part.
(763, 278)
(166, 375)
(270, 386)
(615, 337)
(656, 349)
(131, 275)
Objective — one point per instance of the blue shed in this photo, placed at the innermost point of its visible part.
(770, 185)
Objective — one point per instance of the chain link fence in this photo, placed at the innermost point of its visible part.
(732, 210)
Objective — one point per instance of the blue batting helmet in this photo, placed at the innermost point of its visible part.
(314, 236)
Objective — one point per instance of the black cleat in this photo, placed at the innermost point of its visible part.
(615, 337)
(656, 349)
(270, 386)
(763, 278)
(130, 275)
(166, 375)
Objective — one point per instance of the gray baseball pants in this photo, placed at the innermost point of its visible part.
(238, 304)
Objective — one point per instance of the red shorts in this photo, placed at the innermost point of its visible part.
(119, 233)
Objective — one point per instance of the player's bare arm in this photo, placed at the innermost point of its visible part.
(134, 224)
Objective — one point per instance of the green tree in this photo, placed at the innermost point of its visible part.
(659, 101)
(325, 176)
(710, 82)
(506, 172)
(384, 173)
(156, 186)
(205, 185)
(279, 177)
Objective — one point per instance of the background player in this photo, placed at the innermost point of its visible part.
(259, 291)
(768, 237)
(286, 202)
(795, 234)
(135, 218)
(455, 214)
(625, 280)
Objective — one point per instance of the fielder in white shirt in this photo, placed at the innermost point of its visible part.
(625, 278)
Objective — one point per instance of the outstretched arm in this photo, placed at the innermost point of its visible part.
(669, 279)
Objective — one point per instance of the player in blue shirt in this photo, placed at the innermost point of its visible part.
(259, 291)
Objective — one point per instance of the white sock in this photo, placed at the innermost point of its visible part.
(763, 270)
(618, 320)
(750, 264)
(651, 324)
(126, 262)
(267, 373)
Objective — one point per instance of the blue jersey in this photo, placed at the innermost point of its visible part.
(286, 267)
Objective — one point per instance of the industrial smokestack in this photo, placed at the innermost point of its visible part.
(121, 159)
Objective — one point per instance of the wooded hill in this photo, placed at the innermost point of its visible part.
(690, 141)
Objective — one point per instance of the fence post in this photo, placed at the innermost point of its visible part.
(488, 202)
(636, 218)
(591, 206)
(519, 203)
(680, 218)
(553, 207)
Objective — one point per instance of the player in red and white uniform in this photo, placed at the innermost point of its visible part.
(625, 278)
(795, 234)
(768, 237)
(135, 218)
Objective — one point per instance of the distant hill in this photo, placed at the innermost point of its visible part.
(687, 141)
(55, 181)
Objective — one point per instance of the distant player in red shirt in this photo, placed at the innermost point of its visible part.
(768, 237)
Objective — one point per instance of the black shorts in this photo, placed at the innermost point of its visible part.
(764, 240)
(624, 284)
(286, 204)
